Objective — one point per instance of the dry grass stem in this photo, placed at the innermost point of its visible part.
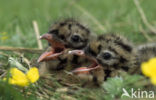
(20, 49)
(143, 17)
(37, 33)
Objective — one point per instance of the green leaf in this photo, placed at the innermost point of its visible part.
(15, 63)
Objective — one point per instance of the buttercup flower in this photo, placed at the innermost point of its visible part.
(18, 78)
(33, 75)
(21, 79)
(149, 69)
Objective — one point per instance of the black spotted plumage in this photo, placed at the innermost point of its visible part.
(122, 55)
(63, 31)
(146, 51)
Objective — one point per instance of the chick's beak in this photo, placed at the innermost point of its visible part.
(47, 37)
(80, 70)
(57, 48)
(44, 55)
(48, 56)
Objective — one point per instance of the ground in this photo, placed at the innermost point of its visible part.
(101, 16)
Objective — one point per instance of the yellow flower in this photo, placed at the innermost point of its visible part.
(21, 79)
(33, 75)
(18, 78)
(149, 69)
(153, 80)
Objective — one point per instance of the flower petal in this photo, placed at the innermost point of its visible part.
(17, 73)
(149, 68)
(18, 78)
(153, 80)
(145, 69)
(33, 74)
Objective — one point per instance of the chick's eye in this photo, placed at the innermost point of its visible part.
(106, 56)
(75, 38)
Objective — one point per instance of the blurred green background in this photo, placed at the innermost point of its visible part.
(118, 16)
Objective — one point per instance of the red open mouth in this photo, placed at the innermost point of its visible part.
(57, 48)
(85, 70)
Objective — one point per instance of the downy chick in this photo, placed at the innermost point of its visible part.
(146, 51)
(112, 53)
(63, 36)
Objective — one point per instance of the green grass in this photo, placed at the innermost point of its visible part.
(117, 16)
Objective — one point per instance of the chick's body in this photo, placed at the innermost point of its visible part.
(74, 36)
(114, 53)
(146, 51)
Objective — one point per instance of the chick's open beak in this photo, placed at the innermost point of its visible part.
(44, 55)
(57, 48)
(53, 41)
(80, 70)
(47, 37)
